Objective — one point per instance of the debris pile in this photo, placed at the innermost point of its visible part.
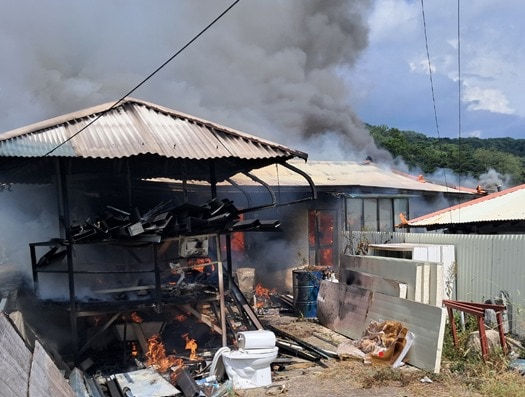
(166, 220)
(385, 343)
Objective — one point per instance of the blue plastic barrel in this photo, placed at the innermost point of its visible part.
(305, 290)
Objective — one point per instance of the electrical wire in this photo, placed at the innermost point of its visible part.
(432, 86)
(146, 79)
(459, 89)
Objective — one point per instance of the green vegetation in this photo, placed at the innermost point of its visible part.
(465, 157)
(491, 377)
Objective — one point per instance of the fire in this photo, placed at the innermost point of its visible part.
(262, 295)
(180, 318)
(191, 345)
(157, 355)
(134, 350)
(136, 318)
(200, 264)
(262, 292)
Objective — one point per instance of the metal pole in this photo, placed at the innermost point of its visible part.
(69, 253)
(221, 290)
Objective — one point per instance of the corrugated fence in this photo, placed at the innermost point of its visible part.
(486, 265)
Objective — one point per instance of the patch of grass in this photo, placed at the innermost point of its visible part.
(491, 377)
(383, 376)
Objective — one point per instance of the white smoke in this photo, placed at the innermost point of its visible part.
(276, 69)
(27, 216)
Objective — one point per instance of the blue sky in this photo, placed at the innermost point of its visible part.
(391, 82)
(304, 73)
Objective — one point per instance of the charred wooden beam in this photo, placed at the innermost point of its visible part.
(306, 345)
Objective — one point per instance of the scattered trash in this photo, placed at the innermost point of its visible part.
(385, 343)
(518, 365)
(425, 379)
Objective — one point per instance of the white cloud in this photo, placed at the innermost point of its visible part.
(391, 18)
(474, 134)
(493, 100)
(489, 63)
(421, 66)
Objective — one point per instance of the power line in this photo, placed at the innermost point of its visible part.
(429, 67)
(432, 85)
(146, 79)
(459, 89)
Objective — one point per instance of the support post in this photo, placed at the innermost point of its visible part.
(220, 274)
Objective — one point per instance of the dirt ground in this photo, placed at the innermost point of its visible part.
(352, 378)
(334, 377)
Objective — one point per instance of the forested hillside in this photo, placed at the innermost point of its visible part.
(465, 157)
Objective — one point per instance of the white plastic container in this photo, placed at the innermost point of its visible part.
(260, 339)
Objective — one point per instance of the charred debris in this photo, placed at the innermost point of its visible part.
(164, 332)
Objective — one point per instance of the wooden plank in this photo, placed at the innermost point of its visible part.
(426, 322)
(15, 361)
(343, 308)
(405, 270)
(348, 310)
(139, 333)
(46, 380)
(203, 318)
(372, 282)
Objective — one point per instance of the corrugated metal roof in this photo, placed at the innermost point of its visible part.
(342, 173)
(507, 205)
(134, 128)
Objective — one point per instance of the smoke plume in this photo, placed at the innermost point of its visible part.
(275, 69)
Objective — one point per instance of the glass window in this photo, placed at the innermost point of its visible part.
(370, 215)
(386, 218)
(400, 206)
(354, 214)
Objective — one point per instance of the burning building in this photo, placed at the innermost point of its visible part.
(154, 205)
(122, 248)
(350, 196)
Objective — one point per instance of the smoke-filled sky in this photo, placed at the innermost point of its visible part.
(303, 73)
(273, 68)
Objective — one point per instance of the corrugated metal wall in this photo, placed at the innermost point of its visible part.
(486, 264)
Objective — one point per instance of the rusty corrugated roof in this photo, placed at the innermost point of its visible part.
(344, 174)
(154, 140)
(135, 127)
(507, 205)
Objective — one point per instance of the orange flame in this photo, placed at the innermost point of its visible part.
(200, 264)
(157, 355)
(136, 318)
(262, 295)
(191, 345)
(180, 317)
(134, 350)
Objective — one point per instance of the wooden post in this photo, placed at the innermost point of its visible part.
(220, 274)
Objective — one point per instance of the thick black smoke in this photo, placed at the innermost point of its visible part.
(276, 69)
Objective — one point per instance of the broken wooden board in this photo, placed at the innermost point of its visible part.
(15, 361)
(372, 282)
(426, 322)
(349, 309)
(308, 333)
(46, 379)
(343, 308)
(25, 373)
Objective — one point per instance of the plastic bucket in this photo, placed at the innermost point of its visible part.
(305, 289)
